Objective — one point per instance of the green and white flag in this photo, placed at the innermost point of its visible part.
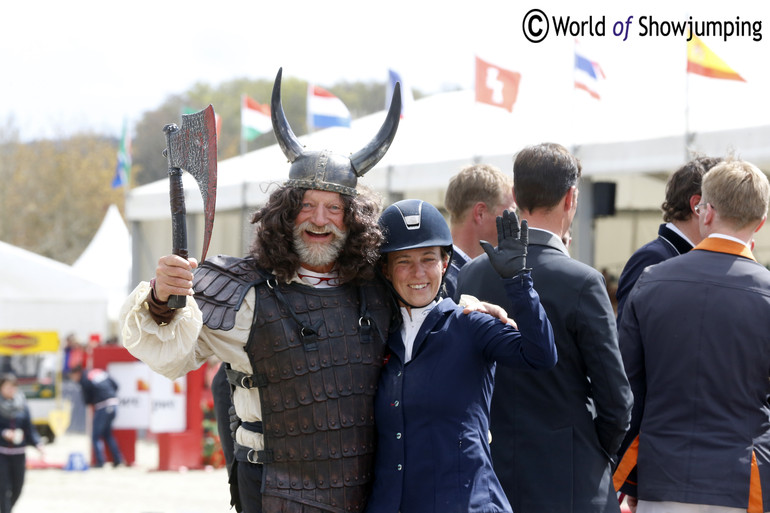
(255, 119)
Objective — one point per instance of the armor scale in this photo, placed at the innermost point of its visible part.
(316, 356)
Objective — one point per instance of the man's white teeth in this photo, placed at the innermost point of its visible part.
(318, 233)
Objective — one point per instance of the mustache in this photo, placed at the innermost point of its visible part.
(329, 227)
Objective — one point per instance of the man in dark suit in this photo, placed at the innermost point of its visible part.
(554, 433)
(678, 234)
(696, 347)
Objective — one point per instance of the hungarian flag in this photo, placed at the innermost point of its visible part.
(495, 85)
(325, 110)
(123, 169)
(255, 119)
(702, 61)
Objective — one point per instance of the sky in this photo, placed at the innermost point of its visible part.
(86, 65)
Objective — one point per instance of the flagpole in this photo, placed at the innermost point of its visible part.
(686, 104)
(573, 102)
(243, 139)
(308, 113)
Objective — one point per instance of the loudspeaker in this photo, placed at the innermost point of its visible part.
(604, 199)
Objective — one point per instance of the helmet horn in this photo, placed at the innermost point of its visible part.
(288, 142)
(368, 156)
(324, 170)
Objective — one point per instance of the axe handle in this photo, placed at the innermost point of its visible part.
(178, 225)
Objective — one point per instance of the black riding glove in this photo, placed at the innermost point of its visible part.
(509, 258)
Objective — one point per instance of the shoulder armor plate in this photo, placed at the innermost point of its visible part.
(221, 284)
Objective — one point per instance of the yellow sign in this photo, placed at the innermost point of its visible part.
(28, 342)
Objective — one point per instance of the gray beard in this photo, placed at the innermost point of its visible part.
(318, 255)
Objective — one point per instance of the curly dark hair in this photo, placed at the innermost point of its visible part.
(682, 185)
(273, 246)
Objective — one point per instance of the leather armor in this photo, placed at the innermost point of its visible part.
(316, 355)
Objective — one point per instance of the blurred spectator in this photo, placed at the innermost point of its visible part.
(100, 391)
(16, 432)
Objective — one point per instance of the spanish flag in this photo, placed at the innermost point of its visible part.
(702, 61)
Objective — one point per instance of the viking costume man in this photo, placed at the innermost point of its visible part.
(303, 349)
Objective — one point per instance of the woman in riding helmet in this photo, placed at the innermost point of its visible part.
(432, 404)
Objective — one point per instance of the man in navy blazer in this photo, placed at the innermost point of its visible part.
(678, 234)
(696, 347)
(555, 432)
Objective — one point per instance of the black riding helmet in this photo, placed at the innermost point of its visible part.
(411, 224)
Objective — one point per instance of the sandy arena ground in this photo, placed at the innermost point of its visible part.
(137, 489)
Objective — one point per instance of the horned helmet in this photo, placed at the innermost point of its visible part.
(324, 170)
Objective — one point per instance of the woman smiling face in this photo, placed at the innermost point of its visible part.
(416, 274)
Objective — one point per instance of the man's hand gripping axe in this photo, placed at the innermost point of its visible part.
(193, 147)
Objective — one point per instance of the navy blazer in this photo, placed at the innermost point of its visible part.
(432, 414)
(554, 433)
(696, 346)
(668, 245)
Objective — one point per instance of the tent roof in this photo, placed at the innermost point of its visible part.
(107, 260)
(38, 293)
(28, 276)
(443, 132)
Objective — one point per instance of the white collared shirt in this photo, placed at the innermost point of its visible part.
(677, 231)
(411, 326)
(729, 237)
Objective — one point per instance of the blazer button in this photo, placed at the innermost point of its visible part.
(399, 467)
(398, 436)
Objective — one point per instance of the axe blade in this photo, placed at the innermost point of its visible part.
(193, 147)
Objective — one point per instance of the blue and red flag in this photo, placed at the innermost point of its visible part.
(587, 73)
(325, 110)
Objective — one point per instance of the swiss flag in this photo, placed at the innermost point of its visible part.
(495, 85)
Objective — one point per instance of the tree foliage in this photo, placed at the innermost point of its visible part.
(55, 193)
(361, 98)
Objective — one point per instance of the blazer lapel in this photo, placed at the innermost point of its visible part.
(396, 344)
(442, 309)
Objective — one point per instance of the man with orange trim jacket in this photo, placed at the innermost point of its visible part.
(696, 349)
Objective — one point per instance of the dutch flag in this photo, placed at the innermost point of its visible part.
(325, 110)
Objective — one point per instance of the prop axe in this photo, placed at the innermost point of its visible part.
(193, 147)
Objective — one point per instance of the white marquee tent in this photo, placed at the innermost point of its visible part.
(439, 135)
(40, 294)
(107, 260)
